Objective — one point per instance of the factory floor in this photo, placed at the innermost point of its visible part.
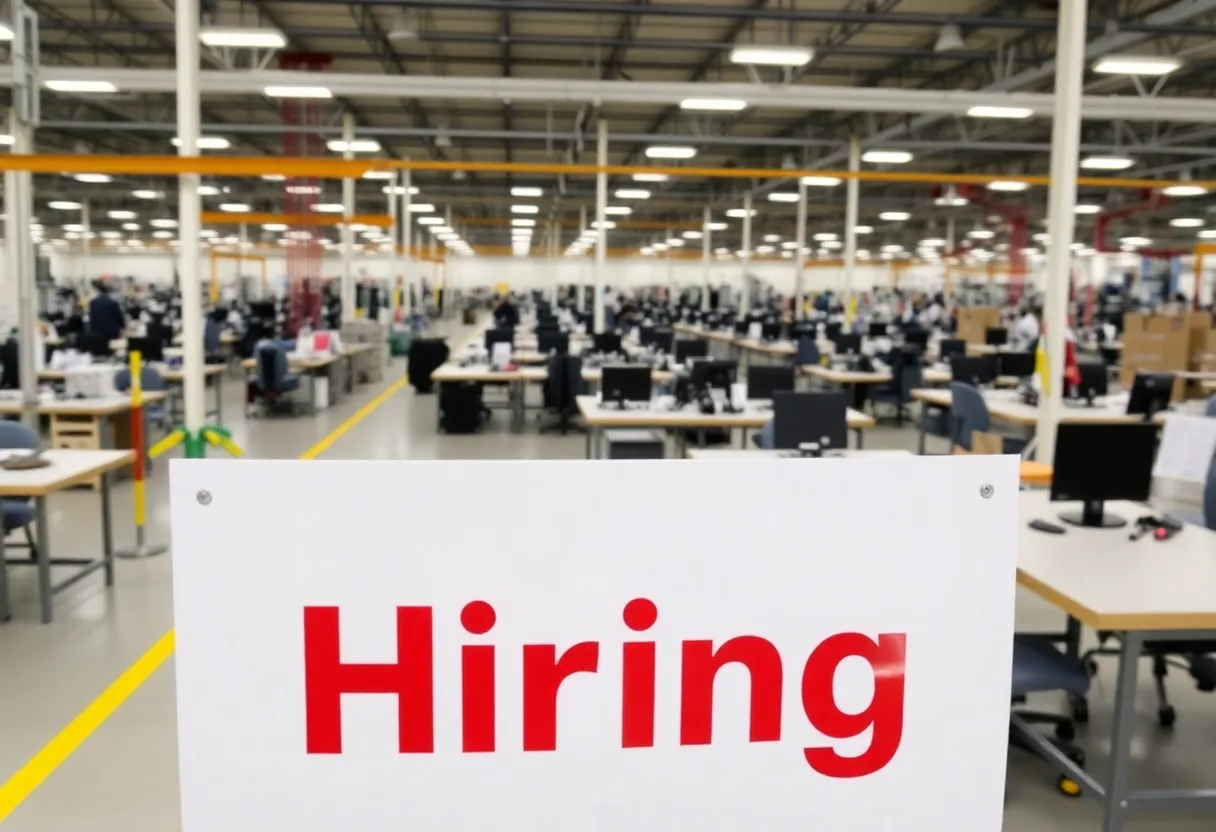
(67, 764)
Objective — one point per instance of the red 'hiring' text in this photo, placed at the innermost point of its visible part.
(411, 679)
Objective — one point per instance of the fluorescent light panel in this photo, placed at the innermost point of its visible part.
(820, 181)
(63, 205)
(670, 151)
(650, 177)
(297, 92)
(1007, 185)
(782, 196)
(356, 145)
(771, 55)
(1107, 162)
(240, 37)
(982, 111)
(1136, 65)
(81, 86)
(886, 157)
(526, 191)
(714, 105)
(206, 142)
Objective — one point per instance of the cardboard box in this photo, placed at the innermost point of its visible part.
(973, 322)
(1205, 359)
(1155, 344)
(1200, 326)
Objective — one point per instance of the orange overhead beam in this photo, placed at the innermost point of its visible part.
(243, 166)
(226, 218)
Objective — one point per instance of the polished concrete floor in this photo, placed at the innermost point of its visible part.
(124, 777)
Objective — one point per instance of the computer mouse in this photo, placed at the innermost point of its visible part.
(1044, 526)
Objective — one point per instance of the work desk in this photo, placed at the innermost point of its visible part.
(99, 408)
(175, 376)
(599, 417)
(67, 468)
(714, 454)
(1142, 589)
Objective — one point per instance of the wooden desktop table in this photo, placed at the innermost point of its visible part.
(67, 468)
(1144, 590)
(599, 417)
(716, 454)
(175, 376)
(515, 380)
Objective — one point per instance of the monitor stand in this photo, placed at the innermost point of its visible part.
(1092, 515)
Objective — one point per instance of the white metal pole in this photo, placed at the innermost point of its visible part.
(745, 301)
(189, 207)
(1061, 202)
(407, 255)
(706, 250)
(579, 301)
(799, 257)
(601, 234)
(86, 222)
(348, 234)
(394, 226)
(671, 265)
(852, 201)
(19, 200)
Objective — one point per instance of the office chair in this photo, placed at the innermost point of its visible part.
(906, 376)
(272, 381)
(18, 513)
(808, 351)
(763, 439)
(1209, 409)
(1038, 667)
(151, 382)
(212, 330)
(564, 385)
(969, 412)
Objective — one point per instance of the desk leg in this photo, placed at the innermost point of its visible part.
(4, 614)
(516, 392)
(743, 439)
(1114, 802)
(312, 392)
(219, 399)
(920, 442)
(107, 536)
(860, 438)
(44, 559)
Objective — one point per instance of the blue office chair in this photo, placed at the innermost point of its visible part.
(969, 412)
(1038, 667)
(808, 351)
(271, 381)
(17, 513)
(211, 337)
(897, 393)
(764, 439)
(151, 381)
(1210, 408)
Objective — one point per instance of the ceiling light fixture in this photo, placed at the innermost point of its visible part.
(297, 92)
(233, 207)
(274, 226)
(80, 86)
(121, 215)
(1009, 185)
(328, 208)
(782, 196)
(525, 209)
(63, 205)
(650, 177)
(771, 55)
(631, 193)
(1136, 65)
(431, 220)
(1135, 242)
(981, 234)
(355, 145)
(886, 157)
(1107, 162)
(692, 235)
(1186, 222)
(825, 236)
(618, 210)
(1184, 190)
(273, 177)
(523, 223)
(739, 213)
(949, 37)
(820, 181)
(670, 151)
(716, 226)
(986, 111)
(863, 229)
(421, 208)
(894, 216)
(94, 178)
(1084, 208)
(523, 191)
(239, 37)
(714, 105)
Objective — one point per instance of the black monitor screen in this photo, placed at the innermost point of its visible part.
(917, 338)
(499, 336)
(821, 417)
(629, 384)
(848, 343)
(663, 339)
(976, 369)
(645, 335)
(951, 347)
(710, 373)
(996, 336)
(770, 330)
(1150, 394)
(549, 342)
(149, 349)
(831, 330)
(687, 348)
(1095, 462)
(95, 345)
(1093, 379)
(1017, 364)
(763, 380)
(878, 329)
(607, 342)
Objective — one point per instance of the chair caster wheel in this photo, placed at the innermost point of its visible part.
(1065, 731)
(1166, 716)
(1091, 668)
(1067, 787)
(1080, 712)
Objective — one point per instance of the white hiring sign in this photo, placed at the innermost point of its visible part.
(462, 646)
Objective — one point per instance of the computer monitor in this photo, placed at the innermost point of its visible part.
(831, 330)
(974, 369)
(1016, 364)
(770, 330)
(950, 347)
(917, 338)
(1093, 381)
(663, 339)
(686, 348)
(878, 329)
(1094, 463)
(646, 335)
(548, 342)
(10, 368)
(149, 349)
(499, 335)
(820, 417)
(848, 343)
(607, 342)
(1150, 394)
(763, 380)
(996, 336)
(97, 346)
(708, 372)
(625, 384)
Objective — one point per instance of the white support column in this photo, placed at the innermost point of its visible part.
(393, 227)
(601, 234)
(799, 257)
(86, 222)
(189, 217)
(745, 301)
(407, 241)
(672, 253)
(706, 255)
(348, 234)
(1061, 202)
(852, 201)
(446, 306)
(18, 203)
(582, 293)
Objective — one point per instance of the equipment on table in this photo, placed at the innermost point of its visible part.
(763, 380)
(996, 336)
(1044, 526)
(1095, 463)
(949, 348)
(708, 373)
(1093, 380)
(819, 417)
(662, 340)
(149, 349)
(625, 384)
(426, 356)
(977, 370)
(687, 348)
(460, 407)
(848, 343)
(607, 342)
(548, 342)
(97, 346)
(1150, 394)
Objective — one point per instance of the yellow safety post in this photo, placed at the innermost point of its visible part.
(142, 548)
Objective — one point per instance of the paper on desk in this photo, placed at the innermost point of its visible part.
(1187, 445)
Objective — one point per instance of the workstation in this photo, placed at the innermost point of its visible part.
(607, 233)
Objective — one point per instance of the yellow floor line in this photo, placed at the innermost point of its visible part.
(43, 764)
